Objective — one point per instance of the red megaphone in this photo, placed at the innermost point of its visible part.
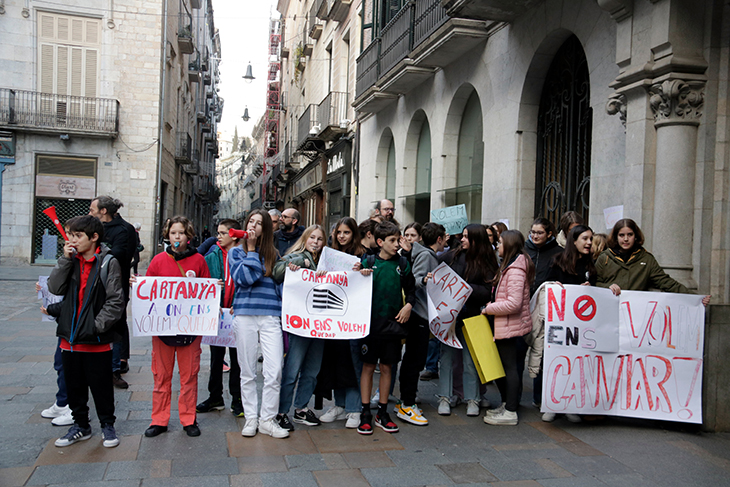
(233, 233)
(50, 212)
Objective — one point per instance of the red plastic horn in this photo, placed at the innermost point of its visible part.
(50, 212)
(233, 233)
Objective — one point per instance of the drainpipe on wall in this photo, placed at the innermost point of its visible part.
(161, 123)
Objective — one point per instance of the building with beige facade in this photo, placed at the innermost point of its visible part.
(114, 98)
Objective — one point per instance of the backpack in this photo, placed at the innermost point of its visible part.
(402, 263)
(104, 274)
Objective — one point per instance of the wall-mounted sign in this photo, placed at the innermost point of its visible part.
(335, 163)
(311, 178)
(65, 187)
(7, 148)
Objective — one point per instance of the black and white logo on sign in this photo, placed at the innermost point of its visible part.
(327, 299)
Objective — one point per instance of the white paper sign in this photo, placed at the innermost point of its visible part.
(336, 305)
(447, 293)
(48, 298)
(612, 215)
(334, 260)
(175, 306)
(226, 337)
(656, 373)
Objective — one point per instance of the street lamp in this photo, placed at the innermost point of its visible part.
(249, 73)
(246, 117)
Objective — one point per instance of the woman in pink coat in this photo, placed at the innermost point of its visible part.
(511, 310)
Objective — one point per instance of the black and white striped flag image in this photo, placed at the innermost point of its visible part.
(325, 299)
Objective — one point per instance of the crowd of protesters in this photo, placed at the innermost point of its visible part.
(503, 269)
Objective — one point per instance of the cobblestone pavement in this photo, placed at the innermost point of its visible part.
(451, 450)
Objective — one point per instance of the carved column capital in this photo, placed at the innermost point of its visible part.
(677, 102)
(617, 104)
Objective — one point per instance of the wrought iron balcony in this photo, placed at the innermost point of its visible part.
(185, 32)
(307, 123)
(419, 39)
(331, 115)
(183, 148)
(31, 111)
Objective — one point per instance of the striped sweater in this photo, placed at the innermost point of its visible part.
(256, 294)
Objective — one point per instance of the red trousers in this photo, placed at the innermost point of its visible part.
(188, 365)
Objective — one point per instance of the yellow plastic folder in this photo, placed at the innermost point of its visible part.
(480, 341)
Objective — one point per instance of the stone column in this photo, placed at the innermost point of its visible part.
(677, 107)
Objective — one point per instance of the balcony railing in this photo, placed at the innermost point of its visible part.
(333, 110)
(411, 26)
(183, 148)
(368, 67)
(185, 32)
(45, 112)
(306, 122)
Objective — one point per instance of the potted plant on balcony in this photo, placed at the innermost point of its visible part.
(300, 61)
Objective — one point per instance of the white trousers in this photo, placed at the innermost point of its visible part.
(249, 331)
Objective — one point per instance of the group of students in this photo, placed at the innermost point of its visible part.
(502, 268)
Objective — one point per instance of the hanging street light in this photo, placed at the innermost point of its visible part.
(246, 117)
(249, 73)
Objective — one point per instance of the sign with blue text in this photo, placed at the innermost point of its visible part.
(165, 306)
(453, 218)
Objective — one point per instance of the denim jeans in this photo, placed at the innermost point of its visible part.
(61, 394)
(302, 364)
(471, 379)
(434, 350)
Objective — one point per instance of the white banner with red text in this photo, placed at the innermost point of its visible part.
(447, 293)
(165, 306)
(335, 305)
(635, 355)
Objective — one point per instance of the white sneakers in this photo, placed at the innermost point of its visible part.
(472, 407)
(503, 418)
(335, 413)
(548, 417)
(250, 428)
(272, 428)
(63, 420)
(411, 414)
(353, 420)
(55, 411)
(444, 408)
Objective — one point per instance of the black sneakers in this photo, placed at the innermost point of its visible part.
(237, 408)
(284, 422)
(75, 433)
(210, 405)
(306, 416)
(192, 429)
(383, 420)
(366, 426)
(154, 430)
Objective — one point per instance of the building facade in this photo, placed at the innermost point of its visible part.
(523, 109)
(105, 98)
(320, 42)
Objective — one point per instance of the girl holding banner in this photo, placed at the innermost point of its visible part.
(475, 262)
(179, 259)
(340, 365)
(257, 318)
(626, 264)
(304, 358)
(574, 266)
(512, 320)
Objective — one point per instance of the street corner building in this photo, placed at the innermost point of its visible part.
(106, 98)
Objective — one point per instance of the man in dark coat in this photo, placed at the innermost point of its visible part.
(121, 238)
(290, 230)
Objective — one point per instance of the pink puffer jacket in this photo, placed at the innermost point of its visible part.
(511, 307)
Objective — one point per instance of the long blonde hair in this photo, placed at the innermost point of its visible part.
(301, 244)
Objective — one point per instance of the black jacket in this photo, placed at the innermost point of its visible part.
(481, 285)
(121, 238)
(283, 240)
(102, 304)
(581, 273)
(543, 258)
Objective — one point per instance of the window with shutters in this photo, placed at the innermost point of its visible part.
(68, 64)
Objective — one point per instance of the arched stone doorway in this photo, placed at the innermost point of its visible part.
(564, 127)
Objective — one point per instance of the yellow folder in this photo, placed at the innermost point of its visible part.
(480, 342)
